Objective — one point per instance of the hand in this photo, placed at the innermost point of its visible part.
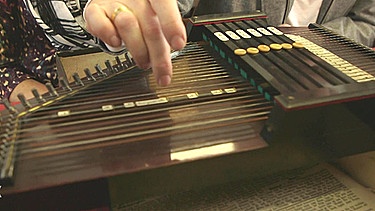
(149, 29)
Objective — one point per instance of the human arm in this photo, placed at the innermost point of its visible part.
(32, 73)
(149, 29)
(26, 55)
(359, 24)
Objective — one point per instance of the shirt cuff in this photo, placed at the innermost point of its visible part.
(84, 9)
(116, 50)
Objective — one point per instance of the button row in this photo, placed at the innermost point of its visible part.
(265, 48)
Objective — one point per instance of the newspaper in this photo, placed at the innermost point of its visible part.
(321, 187)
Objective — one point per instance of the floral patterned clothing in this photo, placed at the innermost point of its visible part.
(25, 52)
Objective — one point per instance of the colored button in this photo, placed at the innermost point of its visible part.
(252, 50)
(264, 48)
(275, 46)
(240, 52)
(298, 45)
(287, 46)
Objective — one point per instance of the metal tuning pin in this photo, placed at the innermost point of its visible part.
(37, 96)
(77, 79)
(65, 85)
(3, 147)
(51, 90)
(8, 106)
(100, 71)
(109, 66)
(119, 64)
(24, 101)
(129, 60)
(2, 154)
(89, 75)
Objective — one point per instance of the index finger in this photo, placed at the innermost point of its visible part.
(101, 27)
(171, 23)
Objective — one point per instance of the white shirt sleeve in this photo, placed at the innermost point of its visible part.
(304, 12)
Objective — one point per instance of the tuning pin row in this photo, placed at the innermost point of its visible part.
(25, 102)
(120, 65)
(37, 96)
(51, 91)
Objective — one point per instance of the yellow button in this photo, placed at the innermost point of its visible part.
(298, 45)
(275, 46)
(240, 52)
(264, 48)
(287, 46)
(252, 50)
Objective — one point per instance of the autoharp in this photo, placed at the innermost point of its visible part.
(244, 94)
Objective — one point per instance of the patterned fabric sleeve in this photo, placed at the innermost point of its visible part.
(62, 22)
(185, 6)
(25, 51)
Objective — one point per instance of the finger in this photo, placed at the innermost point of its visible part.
(160, 61)
(157, 45)
(129, 30)
(170, 21)
(101, 27)
(142, 35)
